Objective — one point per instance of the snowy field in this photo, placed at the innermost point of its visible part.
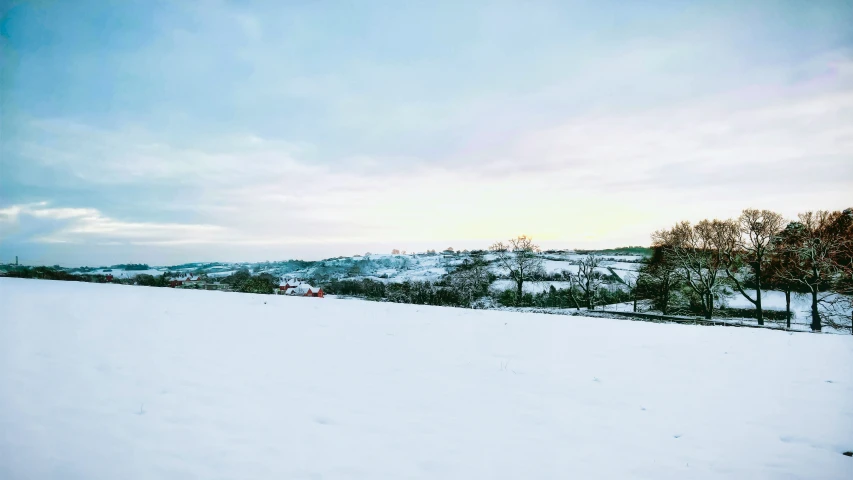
(529, 286)
(801, 303)
(420, 267)
(119, 273)
(121, 382)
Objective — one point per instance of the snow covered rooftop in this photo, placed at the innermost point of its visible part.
(302, 289)
(112, 381)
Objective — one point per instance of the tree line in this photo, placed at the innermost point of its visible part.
(522, 262)
(757, 251)
(693, 265)
(467, 284)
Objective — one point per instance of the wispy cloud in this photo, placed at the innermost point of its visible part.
(43, 224)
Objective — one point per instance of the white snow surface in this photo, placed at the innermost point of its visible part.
(801, 303)
(119, 273)
(771, 299)
(113, 381)
(529, 286)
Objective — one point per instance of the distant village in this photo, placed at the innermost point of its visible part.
(292, 287)
(142, 275)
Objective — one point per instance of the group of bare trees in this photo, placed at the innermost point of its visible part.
(817, 254)
(471, 279)
(588, 281)
(697, 252)
(521, 260)
(813, 254)
(759, 249)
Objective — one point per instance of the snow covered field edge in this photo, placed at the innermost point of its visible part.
(111, 381)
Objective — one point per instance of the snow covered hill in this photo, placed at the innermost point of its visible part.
(112, 381)
(379, 267)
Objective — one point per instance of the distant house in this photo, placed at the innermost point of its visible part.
(288, 285)
(305, 290)
(299, 289)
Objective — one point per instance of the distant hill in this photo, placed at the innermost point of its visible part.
(636, 250)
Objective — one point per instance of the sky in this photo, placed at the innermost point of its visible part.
(165, 132)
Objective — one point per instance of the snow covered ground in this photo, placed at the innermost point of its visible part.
(221, 274)
(529, 286)
(388, 268)
(111, 381)
(772, 300)
(119, 273)
(801, 303)
(420, 267)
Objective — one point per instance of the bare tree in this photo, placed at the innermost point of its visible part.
(520, 257)
(810, 247)
(841, 228)
(839, 308)
(747, 243)
(589, 280)
(776, 272)
(837, 311)
(632, 281)
(659, 278)
(570, 277)
(471, 279)
(695, 251)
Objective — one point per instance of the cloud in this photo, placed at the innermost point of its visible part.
(285, 125)
(709, 139)
(41, 223)
(125, 156)
(737, 148)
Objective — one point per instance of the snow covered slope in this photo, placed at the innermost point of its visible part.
(111, 381)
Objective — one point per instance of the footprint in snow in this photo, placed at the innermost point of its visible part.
(322, 420)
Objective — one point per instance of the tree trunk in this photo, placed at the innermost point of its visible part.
(709, 306)
(759, 311)
(589, 304)
(665, 306)
(788, 307)
(635, 303)
(519, 283)
(573, 298)
(815, 314)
